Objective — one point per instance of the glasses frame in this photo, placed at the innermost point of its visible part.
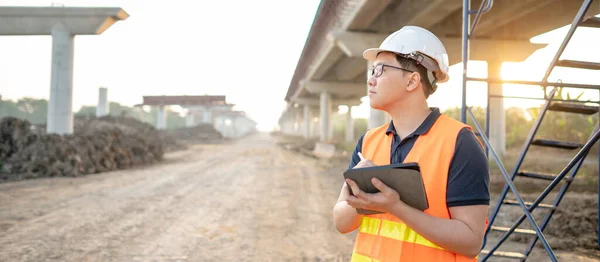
(382, 66)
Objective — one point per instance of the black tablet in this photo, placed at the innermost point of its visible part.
(405, 178)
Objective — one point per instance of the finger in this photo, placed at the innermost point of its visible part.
(355, 190)
(356, 202)
(361, 164)
(383, 188)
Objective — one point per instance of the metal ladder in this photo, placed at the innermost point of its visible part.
(551, 104)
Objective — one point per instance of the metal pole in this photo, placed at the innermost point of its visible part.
(517, 196)
(465, 58)
(487, 119)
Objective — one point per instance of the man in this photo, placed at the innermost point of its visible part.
(406, 69)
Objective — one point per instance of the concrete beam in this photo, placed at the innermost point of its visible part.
(336, 88)
(504, 12)
(353, 44)
(556, 14)
(350, 68)
(334, 102)
(41, 20)
(415, 12)
(323, 63)
(365, 13)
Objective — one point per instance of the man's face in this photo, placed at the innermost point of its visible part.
(390, 86)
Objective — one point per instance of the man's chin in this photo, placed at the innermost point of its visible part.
(376, 105)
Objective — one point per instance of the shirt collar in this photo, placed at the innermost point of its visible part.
(424, 127)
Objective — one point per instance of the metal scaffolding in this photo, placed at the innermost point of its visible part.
(567, 175)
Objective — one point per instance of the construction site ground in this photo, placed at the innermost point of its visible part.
(244, 200)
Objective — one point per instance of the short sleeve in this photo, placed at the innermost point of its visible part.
(468, 178)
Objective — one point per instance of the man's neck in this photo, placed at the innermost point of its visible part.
(408, 117)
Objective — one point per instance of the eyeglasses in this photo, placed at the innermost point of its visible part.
(377, 71)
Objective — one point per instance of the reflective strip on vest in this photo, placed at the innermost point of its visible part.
(394, 230)
(360, 258)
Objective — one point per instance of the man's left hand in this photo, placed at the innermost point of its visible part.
(383, 201)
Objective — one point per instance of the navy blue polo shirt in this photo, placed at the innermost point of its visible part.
(468, 176)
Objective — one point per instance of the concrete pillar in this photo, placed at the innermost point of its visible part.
(207, 115)
(298, 123)
(325, 109)
(497, 114)
(102, 108)
(161, 118)
(376, 118)
(307, 121)
(189, 120)
(60, 105)
(349, 126)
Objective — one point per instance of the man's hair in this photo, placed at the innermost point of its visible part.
(411, 64)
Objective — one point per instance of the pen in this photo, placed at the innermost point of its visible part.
(362, 158)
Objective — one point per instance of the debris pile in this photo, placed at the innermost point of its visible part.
(97, 145)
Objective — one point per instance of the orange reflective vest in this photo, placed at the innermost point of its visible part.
(383, 237)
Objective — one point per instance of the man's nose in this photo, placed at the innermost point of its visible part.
(372, 81)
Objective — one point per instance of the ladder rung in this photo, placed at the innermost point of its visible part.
(556, 144)
(518, 230)
(527, 204)
(578, 64)
(591, 22)
(573, 108)
(506, 254)
(544, 176)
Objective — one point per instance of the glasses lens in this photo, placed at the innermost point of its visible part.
(378, 70)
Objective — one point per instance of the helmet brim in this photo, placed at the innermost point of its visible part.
(371, 54)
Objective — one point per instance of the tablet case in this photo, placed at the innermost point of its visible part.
(405, 178)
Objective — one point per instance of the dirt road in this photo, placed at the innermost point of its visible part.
(249, 200)
(246, 201)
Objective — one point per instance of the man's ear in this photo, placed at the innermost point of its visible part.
(413, 81)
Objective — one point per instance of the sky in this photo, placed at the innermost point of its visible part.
(246, 50)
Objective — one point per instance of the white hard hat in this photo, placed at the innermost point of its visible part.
(419, 44)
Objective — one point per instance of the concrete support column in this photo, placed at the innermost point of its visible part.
(325, 109)
(376, 118)
(349, 126)
(307, 121)
(161, 118)
(60, 105)
(207, 115)
(102, 108)
(189, 120)
(497, 114)
(298, 123)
